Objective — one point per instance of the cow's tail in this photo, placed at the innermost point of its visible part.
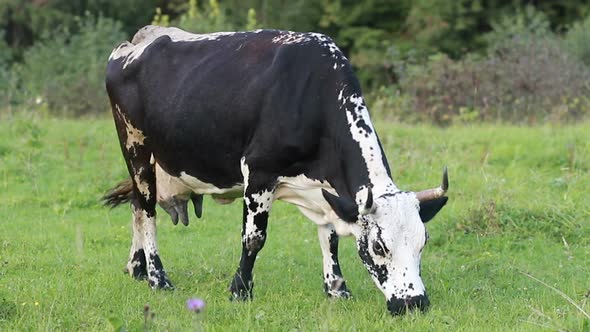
(120, 194)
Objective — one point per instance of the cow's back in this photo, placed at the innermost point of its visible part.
(205, 103)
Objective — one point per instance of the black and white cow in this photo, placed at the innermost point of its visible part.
(262, 115)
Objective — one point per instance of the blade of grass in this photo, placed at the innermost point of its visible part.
(562, 294)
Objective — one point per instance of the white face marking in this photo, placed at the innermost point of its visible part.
(397, 228)
(144, 37)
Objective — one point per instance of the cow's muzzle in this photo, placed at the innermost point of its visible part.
(401, 306)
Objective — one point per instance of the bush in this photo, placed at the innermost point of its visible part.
(210, 19)
(65, 70)
(526, 77)
(577, 41)
(5, 74)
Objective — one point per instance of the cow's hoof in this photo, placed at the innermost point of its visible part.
(339, 294)
(135, 271)
(241, 296)
(337, 289)
(137, 266)
(239, 291)
(160, 282)
(163, 284)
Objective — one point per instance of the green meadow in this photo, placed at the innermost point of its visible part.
(510, 251)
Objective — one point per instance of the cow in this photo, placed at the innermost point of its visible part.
(263, 115)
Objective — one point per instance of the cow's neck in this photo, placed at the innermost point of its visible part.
(371, 170)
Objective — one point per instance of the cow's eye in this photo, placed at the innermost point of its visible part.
(378, 249)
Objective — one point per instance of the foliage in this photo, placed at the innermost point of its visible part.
(161, 19)
(62, 253)
(5, 74)
(210, 19)
(394, 47)
(525, 23)
(26, 22)
(526, 77)
(577, 41)
(65, 71)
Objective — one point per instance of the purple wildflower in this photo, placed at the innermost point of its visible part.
(197, 305)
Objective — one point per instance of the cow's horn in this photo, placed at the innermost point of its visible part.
(368, 207)
(430, 194)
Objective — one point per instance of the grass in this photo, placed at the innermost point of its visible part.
(514, 233)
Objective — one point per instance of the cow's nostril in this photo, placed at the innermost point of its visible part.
(401, 306)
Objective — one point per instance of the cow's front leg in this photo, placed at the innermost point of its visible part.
(258, 199)
(334, 284)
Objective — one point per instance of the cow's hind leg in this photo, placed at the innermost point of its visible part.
(258, 198)
(334, 284)
(144, 259)
(136, 265)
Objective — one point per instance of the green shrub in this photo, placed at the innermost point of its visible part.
(211, 19)
(525, 21)
(4, 72)
(65, 70)
(526, 77)
(577, 41)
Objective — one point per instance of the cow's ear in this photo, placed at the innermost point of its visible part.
(345, 209)
(429, 209)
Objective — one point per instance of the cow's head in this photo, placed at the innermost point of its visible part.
(390, 239)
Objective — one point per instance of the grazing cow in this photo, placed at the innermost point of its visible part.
(262, 115)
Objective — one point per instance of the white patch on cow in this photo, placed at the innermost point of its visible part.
(256, 204)
(135, 137)
(327, 41)
(169, 187)
(142, 186)
(136, 244)
(332, 281)
(201, 187)
(306, 194)
(368, 143)
(290, 37)
(145, 36)
(147, 226)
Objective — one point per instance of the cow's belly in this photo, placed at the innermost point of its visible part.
(300, 191)
(306, 194)
(169, 187)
